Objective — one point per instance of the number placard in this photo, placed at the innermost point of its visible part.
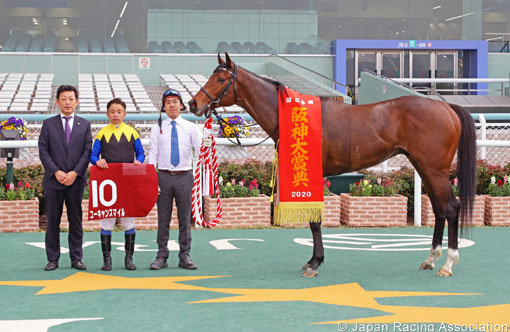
(122, 190)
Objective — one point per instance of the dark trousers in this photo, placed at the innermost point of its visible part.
(178, 187)
(54, 200)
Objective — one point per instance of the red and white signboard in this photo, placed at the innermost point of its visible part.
(144, 63)
(122, 190)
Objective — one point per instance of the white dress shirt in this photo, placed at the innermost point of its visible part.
(71, 121)
(160, 144)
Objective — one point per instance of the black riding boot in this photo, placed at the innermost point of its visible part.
(130, 249)
(106, 246)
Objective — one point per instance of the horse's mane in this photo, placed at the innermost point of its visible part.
(276, 83)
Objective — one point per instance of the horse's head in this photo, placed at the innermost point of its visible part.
(220, 89)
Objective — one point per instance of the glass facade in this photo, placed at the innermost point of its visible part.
(244, 26)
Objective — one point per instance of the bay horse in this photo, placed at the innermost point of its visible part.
(426, 131)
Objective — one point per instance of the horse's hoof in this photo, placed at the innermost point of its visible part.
(306, 266)
(444, 273)
(426, 266)
(310, 273)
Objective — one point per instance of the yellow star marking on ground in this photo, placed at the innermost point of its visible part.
(351, 294)
(491, 314)
(83, 282)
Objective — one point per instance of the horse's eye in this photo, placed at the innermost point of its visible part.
(221, 80)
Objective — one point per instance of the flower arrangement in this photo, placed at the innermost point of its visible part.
(239, 189)
(13, 123)
(382, 187)
(23, 192)
(233, 126)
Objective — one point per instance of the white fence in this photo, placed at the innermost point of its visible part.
(493, 153)
(493, 139)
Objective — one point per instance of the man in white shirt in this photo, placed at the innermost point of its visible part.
(172, 142)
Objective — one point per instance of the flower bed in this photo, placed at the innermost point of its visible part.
(373, 211)
(25, 218)
(497, 211)
(239, 211)
(428, 218)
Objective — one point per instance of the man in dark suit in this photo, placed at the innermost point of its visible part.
(64, 149)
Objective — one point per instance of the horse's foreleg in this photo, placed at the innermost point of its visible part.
(452, 215)
(310, 268)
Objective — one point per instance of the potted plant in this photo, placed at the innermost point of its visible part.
(373, 203)
(12, 128)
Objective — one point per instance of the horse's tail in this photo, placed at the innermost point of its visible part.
(466, 165)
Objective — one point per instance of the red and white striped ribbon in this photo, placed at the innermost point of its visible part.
(209, 159)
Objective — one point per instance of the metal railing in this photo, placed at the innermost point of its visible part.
(455, 82)
(323, 78)
(397, 81)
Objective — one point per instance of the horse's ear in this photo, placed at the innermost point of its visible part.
(220, 60)
(229, 62)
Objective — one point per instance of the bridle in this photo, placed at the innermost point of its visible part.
(214, 102)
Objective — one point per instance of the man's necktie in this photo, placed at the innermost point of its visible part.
(174, 155)
(68, 129)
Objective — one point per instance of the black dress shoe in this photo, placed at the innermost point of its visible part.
(159, 263)
(78, 265)
(52, 265)
(187, 264)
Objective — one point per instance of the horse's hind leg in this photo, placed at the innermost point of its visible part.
(452, 215)
(310, 268)
(444, 205)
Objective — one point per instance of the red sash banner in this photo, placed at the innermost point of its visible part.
(122, 190)
(300, 193)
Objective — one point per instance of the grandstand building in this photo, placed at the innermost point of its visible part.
(136, 49)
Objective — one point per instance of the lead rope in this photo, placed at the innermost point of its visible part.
(209, 158)
(274, 173)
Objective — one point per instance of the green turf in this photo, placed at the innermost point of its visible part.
(272, 264)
